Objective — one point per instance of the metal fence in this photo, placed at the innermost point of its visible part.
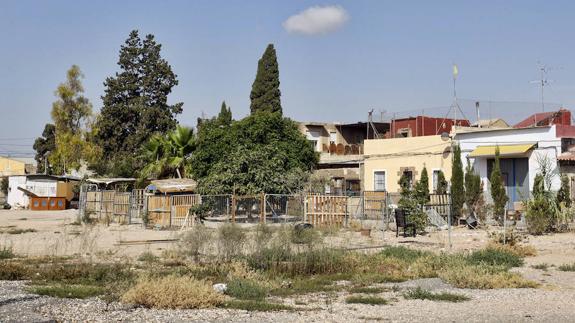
(139, 207)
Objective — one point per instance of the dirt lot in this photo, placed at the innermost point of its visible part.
(55, 234)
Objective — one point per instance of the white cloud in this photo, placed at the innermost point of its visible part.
(317, 20)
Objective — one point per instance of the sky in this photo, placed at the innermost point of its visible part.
(337, 60)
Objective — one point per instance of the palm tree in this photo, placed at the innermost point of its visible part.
(181, 143)
(170, 154)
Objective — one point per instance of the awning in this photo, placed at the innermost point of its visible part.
(504, 150)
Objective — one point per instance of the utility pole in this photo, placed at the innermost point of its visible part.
(477, 111)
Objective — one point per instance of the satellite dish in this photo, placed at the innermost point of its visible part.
(445, 136)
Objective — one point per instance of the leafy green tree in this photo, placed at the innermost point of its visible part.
(72, 109)
(135, 105)
(262, 153)
(441, 183)
(473, 189)
(457, 189)
(71, 114)
(498, 189)
(169, 155)
(43, 146)
(422, 188)
(266, 93)
(564, 193)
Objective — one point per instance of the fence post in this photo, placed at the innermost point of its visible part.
(263, 208)
(449, 221)
(304, 208)
(504, 225)
(233, 208)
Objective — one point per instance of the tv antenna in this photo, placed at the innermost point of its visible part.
(543, 81)
(455, 105)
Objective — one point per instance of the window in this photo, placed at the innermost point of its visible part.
(409, 175)
(435, 179)
(379, 181)
(313, 136)
(333, 137)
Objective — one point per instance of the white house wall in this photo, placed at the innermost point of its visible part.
(40, 187)
(16, 196)
(545, 137)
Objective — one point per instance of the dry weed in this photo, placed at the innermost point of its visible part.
(173, 292)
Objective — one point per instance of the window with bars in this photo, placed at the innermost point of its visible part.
(379, 180)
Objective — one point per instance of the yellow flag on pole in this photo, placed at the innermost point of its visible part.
(455, 71)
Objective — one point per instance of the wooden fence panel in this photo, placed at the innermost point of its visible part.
(374, 204)
(159, 210)
(107, 205)
(93, 203)
(180, 207)
(121, 207)
(325, 210)
(441, 203)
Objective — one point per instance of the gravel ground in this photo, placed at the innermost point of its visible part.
(503, 305)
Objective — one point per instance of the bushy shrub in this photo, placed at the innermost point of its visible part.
(231, 240)
(246, 289)
(483, 277)
(173, 292)
(193, 242)
(305, 236)
(539, 215)
(13, 271)
(6, 252)
(496, 257)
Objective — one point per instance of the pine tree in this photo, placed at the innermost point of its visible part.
(422, 188)
(441, 183)
(498, 189)
(457, 189)
(43, 146)
(135, 104)
(265, 95)
(225, 116)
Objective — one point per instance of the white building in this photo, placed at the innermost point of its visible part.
(521, 152)
(21, 187)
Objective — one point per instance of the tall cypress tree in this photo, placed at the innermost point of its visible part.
(422, 188)
(498, 189)
(266, 93)
(473, 189)
(441, 183)
(457, 189)
(225, 116)
(135, 104)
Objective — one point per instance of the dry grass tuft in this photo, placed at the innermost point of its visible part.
(519, 250)
(483, 277)
(173, 292)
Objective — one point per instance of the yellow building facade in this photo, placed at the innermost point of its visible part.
(10, 167)
(386, 160)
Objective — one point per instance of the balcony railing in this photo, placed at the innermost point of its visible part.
(342, 150)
